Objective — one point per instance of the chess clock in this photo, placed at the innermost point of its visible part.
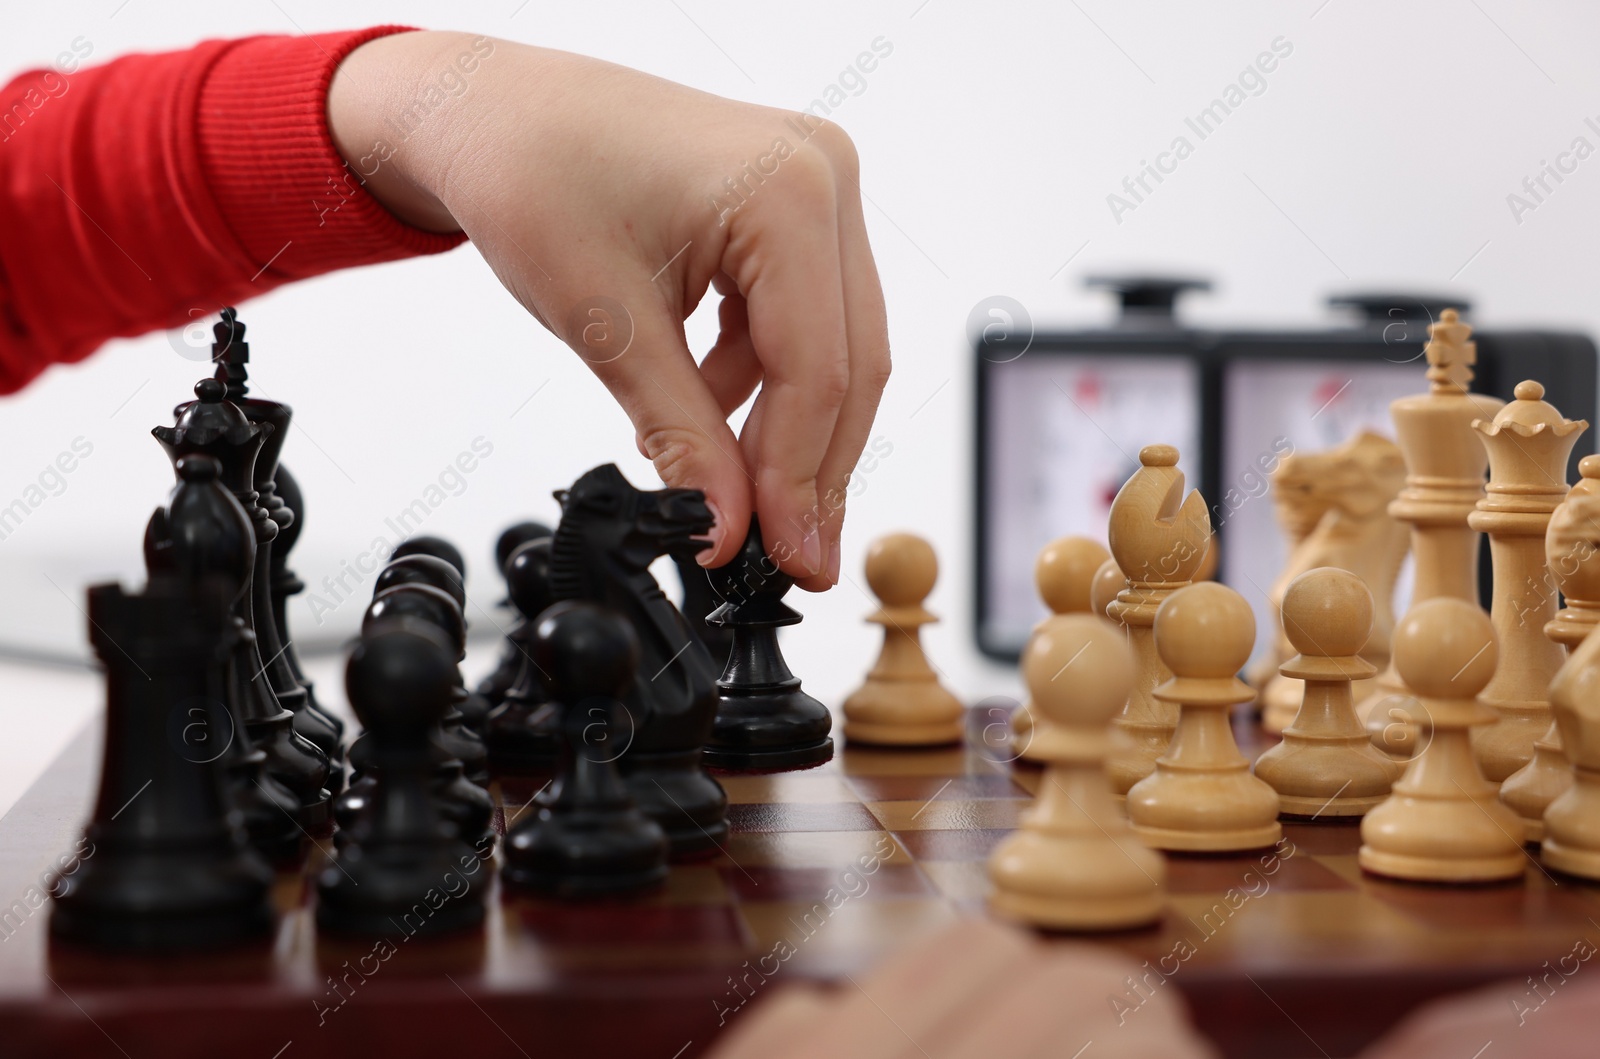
(1061, 416)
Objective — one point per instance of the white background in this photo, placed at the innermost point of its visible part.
(1380, 154)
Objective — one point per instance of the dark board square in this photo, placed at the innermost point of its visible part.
(974, 844)
(811, 884)
(1531, 902)
(1325, 837)
(828, 816)
(1251, 873)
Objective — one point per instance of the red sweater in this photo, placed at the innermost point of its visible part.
(138, 191)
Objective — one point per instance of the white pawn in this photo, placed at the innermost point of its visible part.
(1572, 821)
(1444, 823)
(1063, 574)
(1201, 796)
(902, 703)
(1073, 864)
(1326, 766)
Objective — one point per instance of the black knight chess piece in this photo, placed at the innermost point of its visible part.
(406, 870)
(522, 734)
(231, 353)
(494, 687)
(214, 426)
(284, 585)
(610, 533)
(588, 837)
(764, 721)
(165, 862)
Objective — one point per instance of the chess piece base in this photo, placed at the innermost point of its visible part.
(680, 796)
(1299, 808)
(164, 904)
(941, 734)
(768, 729)
(1085, 914)
(586, 856)
(904, 713)
(193, 930)
(778, 760)
(1584, 863)
(1061, 883)
(1442, 869)
(1210, 841)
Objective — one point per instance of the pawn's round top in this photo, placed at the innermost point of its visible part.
(1108, 581)
(514, 537)
(585, 650)
(528, 578)
(437, 547)
(400, 676)
(1445, 648)
(1327, 613)
(1205, 631)
(422, 570)
(1589, 466)
(901, 568)
(423, 603)
(1158, 456)
(1078, 669)
(1065, 570)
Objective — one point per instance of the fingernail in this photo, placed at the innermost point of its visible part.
(833, 563)
(811, 551)
(703, 557)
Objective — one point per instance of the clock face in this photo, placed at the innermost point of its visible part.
(1064, 433)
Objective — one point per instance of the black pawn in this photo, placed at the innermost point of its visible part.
(497, 684)
(437, 547)
(421, 569)
(314, 722)
(589, 838)
(214, 426)
(764, 721)
(204, 533)
(425, 600)
(464, 803)
(164, 862)
(522, 733)
(407, 870)
(471, 709)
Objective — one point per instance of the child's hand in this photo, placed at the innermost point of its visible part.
(608, 201)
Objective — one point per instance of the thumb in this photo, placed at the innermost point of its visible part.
(637, 349)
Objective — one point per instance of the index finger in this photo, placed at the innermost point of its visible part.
(787, 265)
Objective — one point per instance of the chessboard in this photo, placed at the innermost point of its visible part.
(1284, 952)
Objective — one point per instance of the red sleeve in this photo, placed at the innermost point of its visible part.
(155, 185)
